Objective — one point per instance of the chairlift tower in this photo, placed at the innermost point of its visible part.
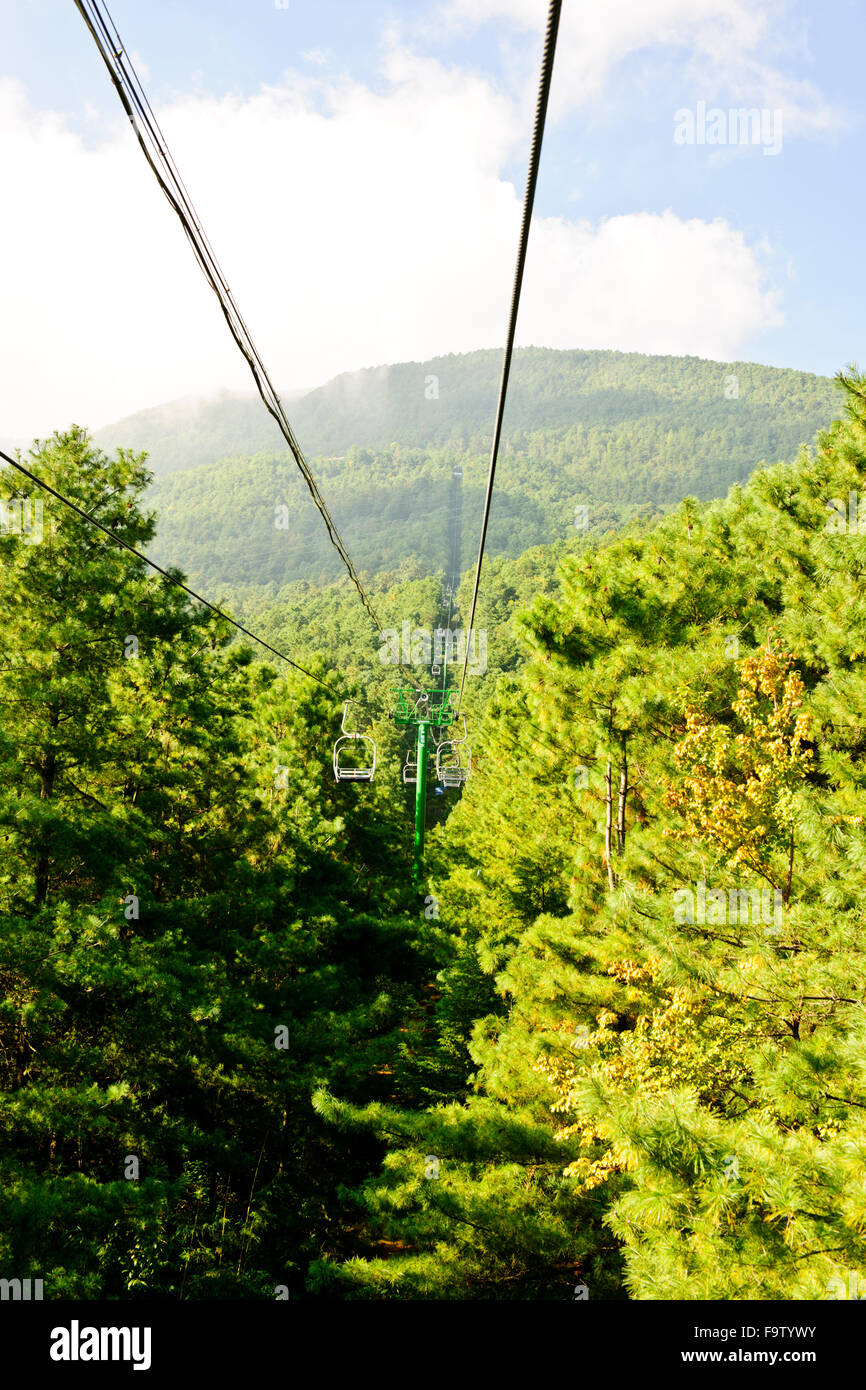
(426, 711)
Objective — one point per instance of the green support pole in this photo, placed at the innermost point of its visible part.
(420, 802)
(424, 710)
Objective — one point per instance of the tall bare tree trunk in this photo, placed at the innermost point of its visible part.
(623, 794)
(608, 823)
(47, 772)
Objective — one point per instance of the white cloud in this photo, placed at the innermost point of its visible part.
(355, 226)
(140, 66)
(728, 44)
(653, 282)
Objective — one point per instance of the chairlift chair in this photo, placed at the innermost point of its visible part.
(454, 760)
(354, 753)
(410, 769)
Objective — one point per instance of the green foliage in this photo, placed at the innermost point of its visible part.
(179, 881)
(700, 1075)
(599, 1063)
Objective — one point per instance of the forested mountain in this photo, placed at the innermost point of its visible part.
(450, 401)
(615, 1045)
(617, 433)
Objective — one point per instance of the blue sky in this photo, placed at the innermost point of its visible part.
(359, 167)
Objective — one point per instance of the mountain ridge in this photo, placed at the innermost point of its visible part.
(618, 434)
(447, 398)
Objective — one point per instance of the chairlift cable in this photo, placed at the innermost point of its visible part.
(166, 574)
(158, 156)
(528, 203)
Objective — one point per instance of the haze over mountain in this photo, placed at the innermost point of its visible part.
(453, 398)
(616, 432)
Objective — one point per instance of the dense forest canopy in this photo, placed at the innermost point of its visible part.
(615, 1045)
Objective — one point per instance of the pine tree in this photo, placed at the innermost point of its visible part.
(699, 1073)
(187, 948)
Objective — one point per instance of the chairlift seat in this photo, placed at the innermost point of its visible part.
(358, 743)
(452, 777)
(354, 753)
(454, 760)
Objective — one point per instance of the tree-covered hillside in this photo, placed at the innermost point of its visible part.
(450, 401)
(614, 1047)
(617, 433)
(648, 1066)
